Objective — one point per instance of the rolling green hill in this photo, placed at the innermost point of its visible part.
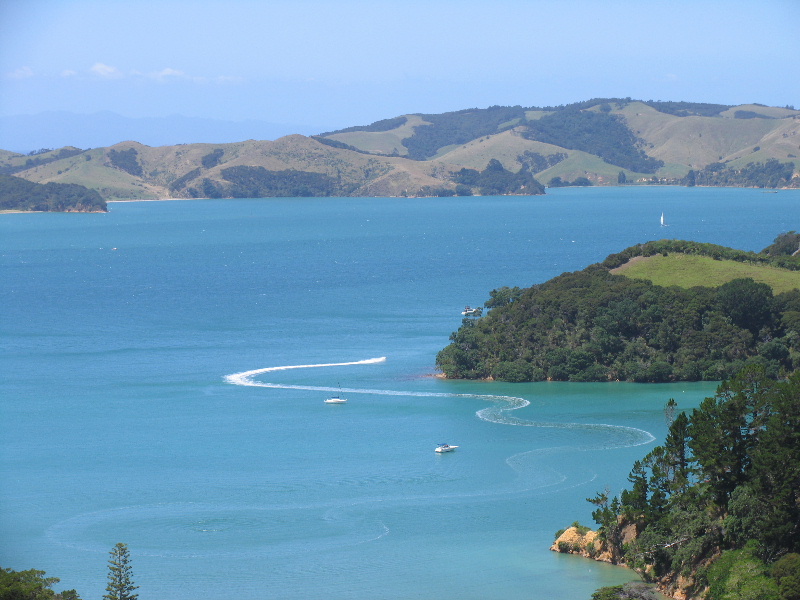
(675, 136)
(597, 142)
(687, 271)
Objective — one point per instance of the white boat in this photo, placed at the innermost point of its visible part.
(335, 400)
(663, 224)
(445, 448)
(472, 312)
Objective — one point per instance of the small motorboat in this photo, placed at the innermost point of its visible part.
(472, 312)
(445, 448)
(335, 400)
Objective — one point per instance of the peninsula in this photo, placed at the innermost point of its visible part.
(611, 322)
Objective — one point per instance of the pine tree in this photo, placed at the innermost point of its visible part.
(120, 585)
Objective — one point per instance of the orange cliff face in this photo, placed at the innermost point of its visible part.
(583, 543)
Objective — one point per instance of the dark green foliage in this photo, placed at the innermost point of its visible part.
(212, 159)
(31, 585)
(502, 296)
(591, 325)
(786, 573)
(771, 174)
(726, 479)
(599, 133)
(459, 127)
(210, 189)
(634, 590)
(337, 144)
(126, 160)
(20, 194)
(436, 192)
(536, 162)
(786, 244)
(740, 575)
(495, 180)
(749, 114)
(558, 182)
(180, 182)
(377, 126)
(688, 109)
(120, 575)
(258, 182)
(746, 303)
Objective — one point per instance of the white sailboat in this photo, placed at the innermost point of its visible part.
(663, 224)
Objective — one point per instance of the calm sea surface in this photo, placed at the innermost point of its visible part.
(119, 421)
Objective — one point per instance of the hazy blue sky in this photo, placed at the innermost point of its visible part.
(334, 63)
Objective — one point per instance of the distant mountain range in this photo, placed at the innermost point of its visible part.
(495, 150)
(55, 129)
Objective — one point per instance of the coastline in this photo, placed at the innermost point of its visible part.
(152, 200)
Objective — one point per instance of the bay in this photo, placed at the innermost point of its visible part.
(119, 423)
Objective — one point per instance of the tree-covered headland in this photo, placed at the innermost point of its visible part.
(594, 325)
(715, 511)
(20, 194)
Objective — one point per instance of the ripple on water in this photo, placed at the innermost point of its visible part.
(185, 530)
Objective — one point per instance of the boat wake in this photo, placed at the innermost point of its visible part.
(233, 529)
(622, 436)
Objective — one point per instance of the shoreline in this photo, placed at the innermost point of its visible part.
(152, 200)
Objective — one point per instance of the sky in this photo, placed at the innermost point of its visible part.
(329, 64)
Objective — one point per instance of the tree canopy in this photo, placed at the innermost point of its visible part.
(599, 133)
(495, 180)
(769, 174)
(120, 575)
(20, 194)
(31, 585)
(723, 490)
(592, 325)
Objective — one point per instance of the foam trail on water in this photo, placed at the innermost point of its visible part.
(628, 436)
(246, 377)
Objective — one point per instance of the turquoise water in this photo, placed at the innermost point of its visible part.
(123, 420)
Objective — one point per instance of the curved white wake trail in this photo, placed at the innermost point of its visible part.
(631, 436)
(246, 377)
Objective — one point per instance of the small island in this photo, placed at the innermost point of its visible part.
(667, 310)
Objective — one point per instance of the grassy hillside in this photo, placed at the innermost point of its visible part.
(683, 135)
(698, 141)
(688, 271)
(180, 171)
(382, 142)
(650, 142)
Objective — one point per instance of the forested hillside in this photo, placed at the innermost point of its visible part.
(593, 325)
(20, 194)
(715, 510)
